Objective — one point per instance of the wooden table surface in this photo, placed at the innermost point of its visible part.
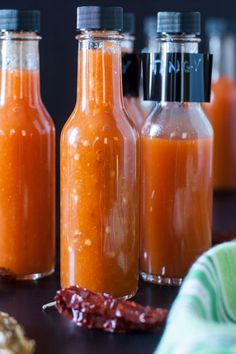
(56, 335)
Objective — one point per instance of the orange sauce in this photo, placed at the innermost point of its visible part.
(176, 204)
(221, 111)
(27, 178)
(99, 242)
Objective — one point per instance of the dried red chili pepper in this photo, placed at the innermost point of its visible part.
(102, 311)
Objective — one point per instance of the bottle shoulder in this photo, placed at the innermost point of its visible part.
(98, 123)
(177, 121)
(134, 111)
(24, 115)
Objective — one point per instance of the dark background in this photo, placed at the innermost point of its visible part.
(58, 48)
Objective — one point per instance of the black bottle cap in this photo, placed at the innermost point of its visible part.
(129, 23)
(220, 26)
(179, 22)
(150, 27)
(100, 18)
(14, 20)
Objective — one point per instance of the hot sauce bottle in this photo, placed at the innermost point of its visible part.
(176, 153)
(99, 189)
(222, 109)
(131, 67)
(27, 153)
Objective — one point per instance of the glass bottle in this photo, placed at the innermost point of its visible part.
(176, 170)
(222, 109)
(27, 145)
(99, 241)
(131, 75)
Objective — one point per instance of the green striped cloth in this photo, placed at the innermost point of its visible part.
(203, 317)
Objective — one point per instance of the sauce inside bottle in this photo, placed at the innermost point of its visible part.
(27, 163)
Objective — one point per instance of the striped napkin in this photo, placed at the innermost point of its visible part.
(203, 317)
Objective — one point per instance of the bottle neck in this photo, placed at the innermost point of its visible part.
(223, 48)
(177, 44)
(19, 67)
(99, 71)
(127, 44)
(153, 45)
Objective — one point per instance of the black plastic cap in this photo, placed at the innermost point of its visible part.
(99, 18)
(179, 22)
(129, 23)
(14, 20)
(220, 26)
(150, 27)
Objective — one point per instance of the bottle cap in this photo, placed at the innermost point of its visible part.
(100, 18)
(150, 27)
(220, 26)
(129, 23)
(179, 22)
(19, 20)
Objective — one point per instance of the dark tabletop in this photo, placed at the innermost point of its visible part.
(56, 335)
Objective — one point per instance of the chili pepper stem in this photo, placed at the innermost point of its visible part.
(49, 305)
